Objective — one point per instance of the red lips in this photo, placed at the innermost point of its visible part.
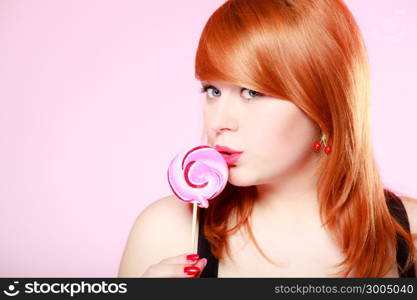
(230, 155)
(231, 159)
(224, 149)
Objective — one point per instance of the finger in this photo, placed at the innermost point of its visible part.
(182, 270)
(186, 258)
(172, 271)
(201, 264)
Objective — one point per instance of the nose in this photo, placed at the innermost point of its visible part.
(222, 116)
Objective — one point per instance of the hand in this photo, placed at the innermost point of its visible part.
(177, 266)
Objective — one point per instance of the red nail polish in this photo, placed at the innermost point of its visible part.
(191, 270)
(192, 257)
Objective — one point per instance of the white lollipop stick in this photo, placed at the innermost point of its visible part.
(193, 250)
(201, 199)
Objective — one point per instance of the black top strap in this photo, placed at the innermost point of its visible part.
(395, 206)
(397, 210)
(204, 250)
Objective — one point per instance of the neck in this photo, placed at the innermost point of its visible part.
(291, 195)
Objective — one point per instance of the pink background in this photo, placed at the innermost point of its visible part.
(97, 96)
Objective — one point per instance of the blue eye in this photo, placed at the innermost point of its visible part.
(212, 92)
(251, 93)
(208, 88)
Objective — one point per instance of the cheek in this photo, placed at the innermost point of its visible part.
(205, 128)
(301, 132)
(282, 137)
(270, 132)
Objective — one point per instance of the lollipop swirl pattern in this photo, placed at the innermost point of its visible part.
(198, 175)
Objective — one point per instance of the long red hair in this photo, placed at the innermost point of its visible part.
(310, 52)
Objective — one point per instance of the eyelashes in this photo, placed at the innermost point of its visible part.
(204, 89)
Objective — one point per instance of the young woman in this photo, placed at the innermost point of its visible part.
(287, 85)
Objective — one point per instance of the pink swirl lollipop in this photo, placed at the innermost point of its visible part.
(198, 174)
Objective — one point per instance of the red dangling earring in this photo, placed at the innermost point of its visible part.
(317, 145)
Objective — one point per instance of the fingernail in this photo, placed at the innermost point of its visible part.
(204, 262)
(192, 257)
(191, 270)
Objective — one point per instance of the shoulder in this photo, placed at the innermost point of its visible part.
(161, 230)
(165, 210)
(410, 205)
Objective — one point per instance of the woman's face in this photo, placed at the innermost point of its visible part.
(276, 137)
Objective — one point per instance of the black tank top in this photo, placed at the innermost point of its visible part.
(395, 206)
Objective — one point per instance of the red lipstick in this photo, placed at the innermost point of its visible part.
(230, 155)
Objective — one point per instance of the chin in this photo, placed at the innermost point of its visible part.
(240, 178)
